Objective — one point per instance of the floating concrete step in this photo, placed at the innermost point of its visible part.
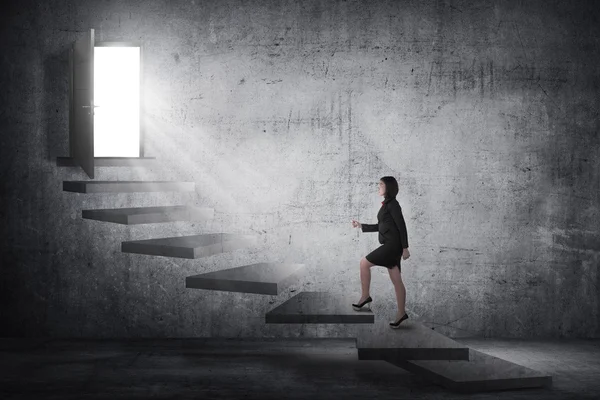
(149, 215)
(110, 161)
(261, 278)
(412, 341)
(318, 308)
(194, 246)
(127, 186)
(481, 373)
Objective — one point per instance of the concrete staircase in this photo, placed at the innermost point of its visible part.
(149, 215)
(412, 341)
(318, 308)
(195, 246)
(260, 278)
(110, 161)
(480, 373)
(413, 346)
(127, 186)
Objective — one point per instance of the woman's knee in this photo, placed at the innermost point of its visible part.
(365, 263)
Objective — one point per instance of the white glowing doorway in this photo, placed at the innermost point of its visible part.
(117, 99)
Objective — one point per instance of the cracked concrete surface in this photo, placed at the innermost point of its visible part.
(285, 114)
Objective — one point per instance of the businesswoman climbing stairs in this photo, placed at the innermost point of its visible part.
(394, 247)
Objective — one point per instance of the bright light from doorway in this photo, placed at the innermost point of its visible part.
(117, 101)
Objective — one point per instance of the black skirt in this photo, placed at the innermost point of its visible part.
(387, 255)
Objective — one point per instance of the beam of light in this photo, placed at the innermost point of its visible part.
(117, 98)
(194, 152)
(213, 170)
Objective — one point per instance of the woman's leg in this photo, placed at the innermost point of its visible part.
(396, 278)
(365, 278)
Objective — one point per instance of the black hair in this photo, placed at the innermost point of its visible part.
(391, 187)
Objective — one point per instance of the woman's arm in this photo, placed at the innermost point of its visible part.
(370, 227)
(396, 212)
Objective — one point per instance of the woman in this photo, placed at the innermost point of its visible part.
(394, 239)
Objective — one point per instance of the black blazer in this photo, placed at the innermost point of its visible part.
(390, 224)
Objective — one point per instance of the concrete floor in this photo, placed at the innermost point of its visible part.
(265, 368)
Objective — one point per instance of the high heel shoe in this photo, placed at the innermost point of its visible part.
(396, 325)
(358, 307)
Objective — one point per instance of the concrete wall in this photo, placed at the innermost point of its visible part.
(286, 114)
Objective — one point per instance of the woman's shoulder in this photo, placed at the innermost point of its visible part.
(394, 202)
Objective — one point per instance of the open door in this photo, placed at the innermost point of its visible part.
(82, 106)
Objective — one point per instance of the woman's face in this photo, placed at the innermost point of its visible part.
(381, 188)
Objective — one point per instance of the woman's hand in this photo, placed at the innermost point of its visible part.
(356, 224)
(405, 254)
